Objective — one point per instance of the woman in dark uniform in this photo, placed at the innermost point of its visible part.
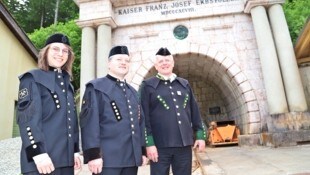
(46, 112)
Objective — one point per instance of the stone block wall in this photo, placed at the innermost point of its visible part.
(219, 58)
(305, 77)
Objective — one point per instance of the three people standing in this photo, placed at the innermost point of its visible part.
(115, 126)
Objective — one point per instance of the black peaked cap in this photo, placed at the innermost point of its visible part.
(57, 38)
(119, 50)
(163, 52)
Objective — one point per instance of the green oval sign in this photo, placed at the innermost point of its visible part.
(180, 32)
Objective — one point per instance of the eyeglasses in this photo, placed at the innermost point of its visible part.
(58, 50)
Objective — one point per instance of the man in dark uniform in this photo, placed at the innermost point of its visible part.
(112, 122)
(172, 116)
(46, 112)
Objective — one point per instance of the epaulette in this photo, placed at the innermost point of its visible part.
(183, 81)
(153, 82)
(45, 78)
(102, 84)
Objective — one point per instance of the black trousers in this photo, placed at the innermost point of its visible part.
(180, 159)
(57, 171)
(119, 171)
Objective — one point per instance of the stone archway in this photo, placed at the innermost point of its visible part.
(217, 82)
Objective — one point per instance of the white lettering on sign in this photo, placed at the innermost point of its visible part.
(170, 7)
(175, 10)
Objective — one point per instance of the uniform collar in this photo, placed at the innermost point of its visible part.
(115, 79)
(171, 78)
(50, 68)
(154, 81)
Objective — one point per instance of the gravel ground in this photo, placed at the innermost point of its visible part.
(9, 156)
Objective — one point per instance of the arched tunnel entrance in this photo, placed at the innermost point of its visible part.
(219, 93)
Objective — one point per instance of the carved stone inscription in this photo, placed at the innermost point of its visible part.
(170, 7)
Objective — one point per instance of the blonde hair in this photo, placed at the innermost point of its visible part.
(43, 63)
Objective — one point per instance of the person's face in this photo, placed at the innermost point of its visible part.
(58, 54)
(119, 65)
(164, 64)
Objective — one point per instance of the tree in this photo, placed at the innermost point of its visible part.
(34, 14)
(38, 38)
(296, 13)
(56, 12)
(16, 8)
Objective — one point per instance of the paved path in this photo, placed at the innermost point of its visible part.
(237, 160)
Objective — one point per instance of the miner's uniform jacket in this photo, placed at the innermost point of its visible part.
(171, 113)
(111, 123)
(47, 118)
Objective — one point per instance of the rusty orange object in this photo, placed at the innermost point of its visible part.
(223, 133)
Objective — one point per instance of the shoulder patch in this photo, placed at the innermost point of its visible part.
(23, 93)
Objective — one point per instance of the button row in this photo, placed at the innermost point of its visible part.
(34, 146)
